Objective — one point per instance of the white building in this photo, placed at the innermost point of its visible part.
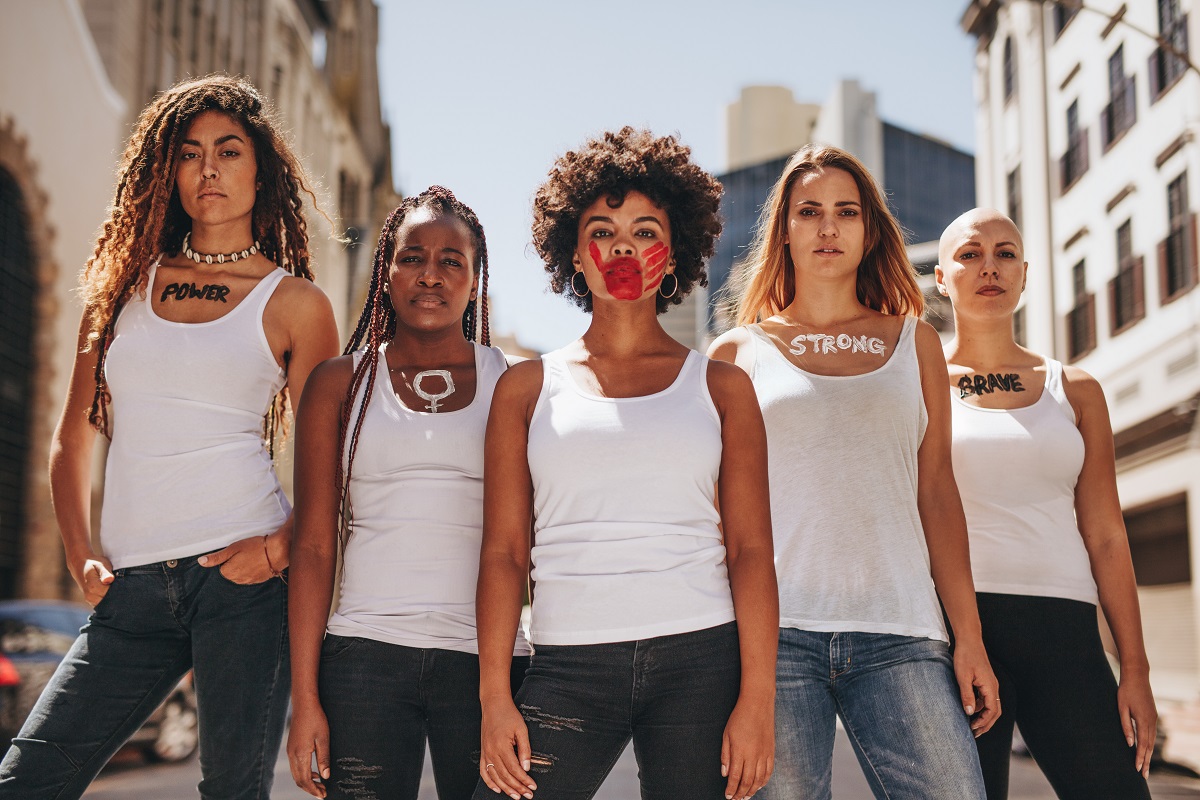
(1088, 134)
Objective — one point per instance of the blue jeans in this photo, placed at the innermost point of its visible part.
(382, 702)
(157, 622)
(671, 694)
(899, 703)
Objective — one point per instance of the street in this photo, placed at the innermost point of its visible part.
(131, 779)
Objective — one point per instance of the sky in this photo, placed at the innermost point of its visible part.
(483, 95)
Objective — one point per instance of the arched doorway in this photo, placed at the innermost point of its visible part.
(17, 290)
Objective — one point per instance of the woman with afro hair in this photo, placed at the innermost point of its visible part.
(200, 320)
(389, 453)
(654, 614)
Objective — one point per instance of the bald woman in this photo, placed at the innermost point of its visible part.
(1033, 459)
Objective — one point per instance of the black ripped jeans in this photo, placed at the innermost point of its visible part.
(383, 701)
(672, 695)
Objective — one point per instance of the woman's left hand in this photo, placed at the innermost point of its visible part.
(1139, 718)
(978, 686)
(748, 748)
(246, 561)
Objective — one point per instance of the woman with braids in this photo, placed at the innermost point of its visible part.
(655, 615)
(200, 318)
(868, 524)
(1033, 457)
(389, 448)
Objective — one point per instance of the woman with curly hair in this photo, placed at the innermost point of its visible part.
(389, 453)
(1033, 455)
(870, 536)
(654, 615)
(200, 319)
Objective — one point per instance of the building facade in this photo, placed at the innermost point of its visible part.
(74, 74)
(1088, 128)
(928, 182)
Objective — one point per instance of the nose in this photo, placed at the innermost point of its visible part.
(988, 267)
(208, 169)
(827, 226)
(429, 276)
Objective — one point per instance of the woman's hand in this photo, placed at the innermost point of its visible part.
(253, 560)
(93, 574)
(978, 687)
(1139, 718)
(748, 749)
(504, 752)
(309, 734)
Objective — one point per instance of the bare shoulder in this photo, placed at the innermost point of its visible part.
(300, 293)
(729, 383)
(330, 379)
(1082, 390)
(727, 346)
(927, 337)
(522, 380)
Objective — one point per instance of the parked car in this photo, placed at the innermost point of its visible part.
(34, 637)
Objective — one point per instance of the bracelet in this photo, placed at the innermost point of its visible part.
(277, 573)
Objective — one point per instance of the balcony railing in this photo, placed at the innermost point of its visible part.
(1166, 67)
(1081, 327)
(1120, 114)
(1073, 163)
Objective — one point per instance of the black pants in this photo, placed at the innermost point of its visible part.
(1056, 684)
(384, 701)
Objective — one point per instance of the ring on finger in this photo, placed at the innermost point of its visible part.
(489, 766)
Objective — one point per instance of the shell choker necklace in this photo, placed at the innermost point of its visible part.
(215, 258)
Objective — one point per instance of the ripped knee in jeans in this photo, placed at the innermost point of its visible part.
(355, 773)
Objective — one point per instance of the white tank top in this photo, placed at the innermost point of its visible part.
(188, 471)
(850, 551)
(416, 491)
(626, 537)
(1016, 470)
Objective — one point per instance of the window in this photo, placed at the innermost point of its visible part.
(1081, 320)
(1019, 327)
(1168, 62)
(1177, 255)
(1158, 542)
(1126, 291)
(1121, 112)
(1013, 192)
(1010, 69)
(1064, 12)
(1074, 162)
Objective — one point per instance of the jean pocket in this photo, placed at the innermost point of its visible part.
(221, 571)
(335, 646)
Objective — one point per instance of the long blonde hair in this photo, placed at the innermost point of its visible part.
(886, 279)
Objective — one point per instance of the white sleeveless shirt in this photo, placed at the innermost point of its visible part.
(850, 551)
(1016, 470)
(416, 492)
(188, 471)
(626, 537)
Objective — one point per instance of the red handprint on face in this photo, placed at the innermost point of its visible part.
(624, 276)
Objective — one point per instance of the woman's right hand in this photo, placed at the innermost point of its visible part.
(93, 574)
(309, 734)
(504, 752)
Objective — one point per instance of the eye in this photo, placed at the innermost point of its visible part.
(1007, 254)
(807, 212)
(849, 212)
(408, 260)
(966, 256)
(646, 234)
(230, 153)
(188, 156)
(451, 262)
(601, 233)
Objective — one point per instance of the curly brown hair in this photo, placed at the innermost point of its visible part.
(147, 218)
(612, 166)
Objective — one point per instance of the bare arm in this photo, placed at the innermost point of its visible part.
(313, 562)
(748, 751)
(303, 311)
(503, 573)
(71, 475)
(1098, 511)
(946, 537)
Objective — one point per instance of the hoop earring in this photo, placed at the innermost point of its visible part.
(575, 287)
(674, 286)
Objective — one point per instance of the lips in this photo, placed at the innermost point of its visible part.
(828, 251)
(623, 266)
(428, 301)
(991, 290)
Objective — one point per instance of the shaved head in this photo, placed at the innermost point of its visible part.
(970, 221)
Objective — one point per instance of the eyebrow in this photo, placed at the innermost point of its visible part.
(222, 140)
(423, 247)
(838, 204)
(975, 243)
(609, 220)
